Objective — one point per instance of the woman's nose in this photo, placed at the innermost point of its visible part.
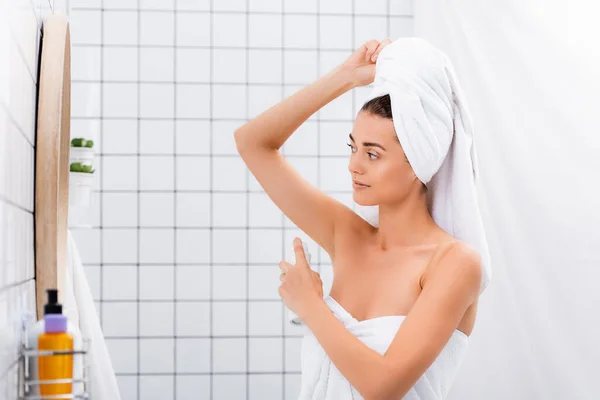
(354, 165)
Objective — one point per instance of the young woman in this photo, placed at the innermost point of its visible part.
(408, 268)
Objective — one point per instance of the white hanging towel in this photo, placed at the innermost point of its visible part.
(434, 127)
(80, 310)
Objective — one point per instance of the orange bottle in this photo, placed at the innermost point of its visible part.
(57, 366)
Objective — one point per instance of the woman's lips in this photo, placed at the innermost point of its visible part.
(359, 186)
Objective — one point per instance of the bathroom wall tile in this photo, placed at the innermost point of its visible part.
(119, 4)
(193, 29)
(193, 282)
(157, 28)
(193, 246)
(229, 210)
(334, 174)
(123, 354)
(335, 32)
(119, 100)
(157, 245)
(156, 282)
(334, 139)
(93, 276)
(300, 66)
(265, 30)
(229, 245)
(193, 65)
(120, 282)
(265, 318)
(300, 31)
(193, 101)
(119, 245)
(263, 282)
(193, 173)
(340, 108)
(119, 210)
(193, 318)
(231, 5)
(193, 5)
(192, 387)
(228, 174)
(223, 140)
(88, 244)
(229, 101)
(156, 100)
(120, 63)
(193, 210)
(368, 28)
(86, 27)
(156, 319)
(156, 173)
(229, 386)
(157, 209)
(377, 7)
(86, 63)
(401, 27)
(119, 173)
(85, 99)
(305, 6)
(263, 98)
(119, 319)
(229, 318)
(228, 66)
(229, 30)
(157, 64)
(307, 167)
(157, 4)
(265, 245)
(120, 27)
(156, 356)
(229, 355)
(304, 141)
(229, 282)
(156, 387)
(128, 386)
(264, 66)
(293, 348)
(119, 137)
(330, 59)
(157, 136)
(266, 354)
(292, 386)
(263, 212)
(193, 355)
(265, 387)
(193, 137)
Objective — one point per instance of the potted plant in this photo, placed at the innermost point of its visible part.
(81, 171)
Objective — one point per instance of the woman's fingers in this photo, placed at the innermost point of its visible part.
(283, 266)
(380, 47)
(371, 46)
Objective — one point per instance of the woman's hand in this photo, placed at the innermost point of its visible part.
(361, 64)
(300, 286)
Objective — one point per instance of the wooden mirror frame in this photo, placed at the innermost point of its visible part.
(52, 158)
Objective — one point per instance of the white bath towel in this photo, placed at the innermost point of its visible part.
(433, 124)
(321, 380)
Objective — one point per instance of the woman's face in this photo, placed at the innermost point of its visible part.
(380, 171)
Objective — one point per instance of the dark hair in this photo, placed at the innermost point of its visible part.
(380, 106)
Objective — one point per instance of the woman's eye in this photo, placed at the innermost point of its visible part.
(372, 156)
(351, 147)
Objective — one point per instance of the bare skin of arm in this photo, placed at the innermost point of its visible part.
(259, 140)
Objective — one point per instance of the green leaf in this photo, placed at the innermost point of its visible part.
(78, 142)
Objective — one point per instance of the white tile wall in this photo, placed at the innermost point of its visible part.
(20, 27)
(185, 255)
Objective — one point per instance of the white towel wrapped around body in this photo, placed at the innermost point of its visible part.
(321, 380)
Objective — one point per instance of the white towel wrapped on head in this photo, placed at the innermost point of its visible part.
(434, 127)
